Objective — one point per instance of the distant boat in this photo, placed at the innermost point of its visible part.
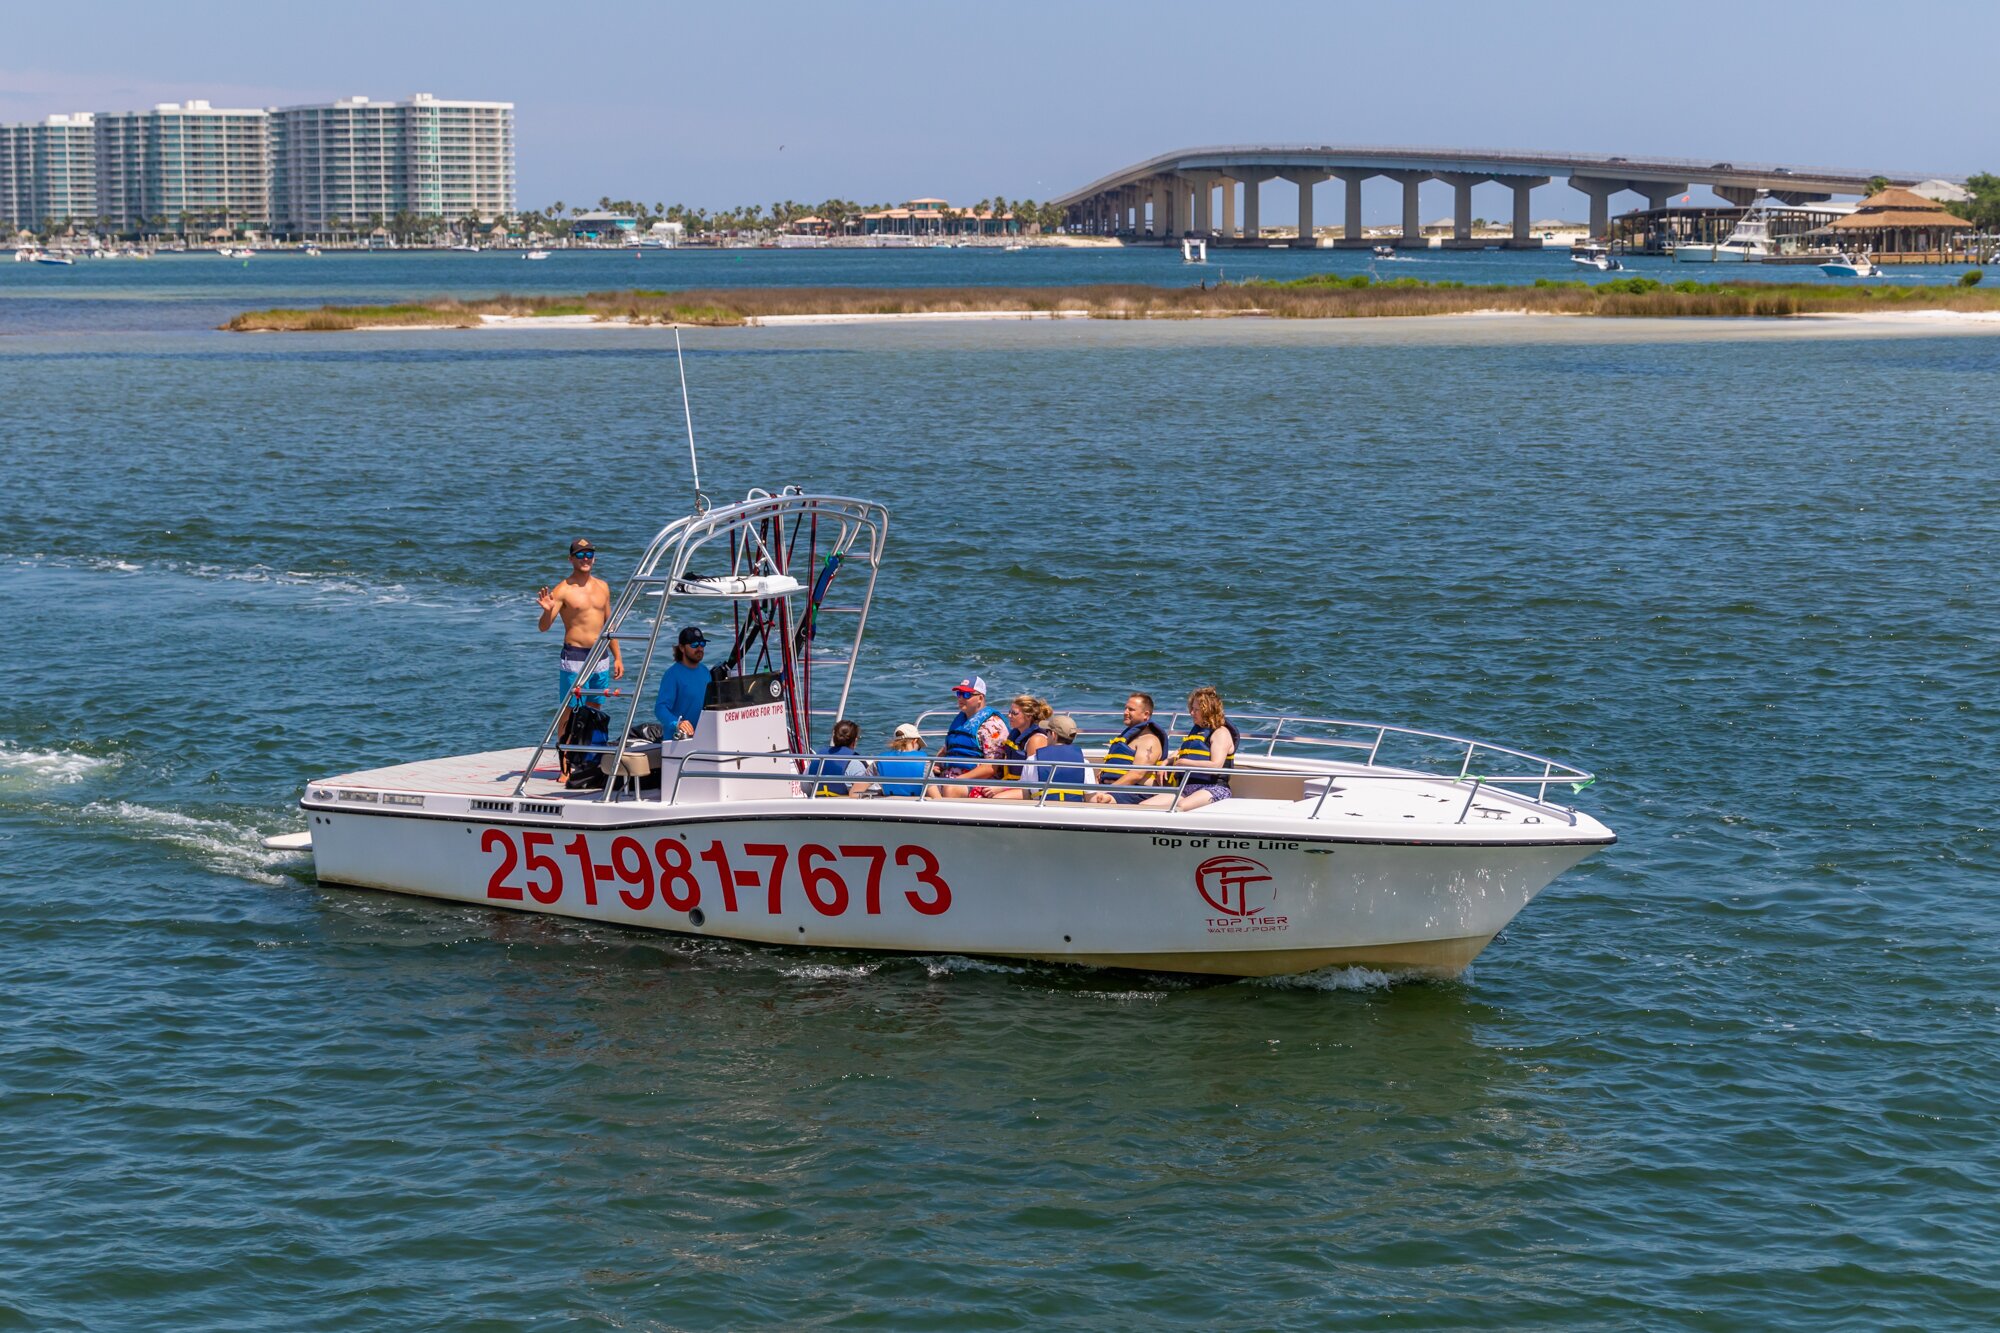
(26, 255)
(536, 254)
(468, 249)
(1750, 241)
(1014, 247)
(1852, 266)
(312, 252)
(1384, 252)
(1194, 250)
(64, 260)
(1595, 256)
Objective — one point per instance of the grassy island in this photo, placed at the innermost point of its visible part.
(1325, 296)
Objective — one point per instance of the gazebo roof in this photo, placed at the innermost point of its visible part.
(1897, 207)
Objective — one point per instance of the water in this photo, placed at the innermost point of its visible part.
(200, 291)
(1738, 1071)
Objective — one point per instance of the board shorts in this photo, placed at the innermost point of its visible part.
(570, 666)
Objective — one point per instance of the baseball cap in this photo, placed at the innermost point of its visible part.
(970, 685)
(692, 634)
(580, 545)
(1063, 727)
(908, 732)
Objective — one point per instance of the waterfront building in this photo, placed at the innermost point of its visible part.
(935, 217)
(615, 227)
(355, 159)
(185, 162)
(48, 172)
(1903, 227)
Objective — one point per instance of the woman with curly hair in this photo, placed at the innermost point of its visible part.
(1207, 752)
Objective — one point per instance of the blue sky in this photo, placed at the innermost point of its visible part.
(713, 105)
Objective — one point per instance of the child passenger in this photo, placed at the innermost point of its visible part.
(900, 772)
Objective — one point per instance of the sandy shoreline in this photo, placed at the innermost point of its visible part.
(1883, 321)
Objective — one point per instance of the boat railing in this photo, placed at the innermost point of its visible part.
(803, 774)
(1450, 758)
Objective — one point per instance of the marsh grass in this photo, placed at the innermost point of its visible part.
(1325, 296)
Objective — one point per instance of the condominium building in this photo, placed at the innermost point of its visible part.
(338, 164)
(48, 172)
(189, 161)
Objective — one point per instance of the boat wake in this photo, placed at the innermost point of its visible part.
(219, 845)
(23, 770)
(326, 587)
(1351, 978)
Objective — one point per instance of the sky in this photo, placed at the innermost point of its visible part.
(715, 105)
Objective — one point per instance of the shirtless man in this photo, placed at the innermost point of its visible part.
(584, 602)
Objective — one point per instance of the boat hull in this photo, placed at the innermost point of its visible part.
(908, 880)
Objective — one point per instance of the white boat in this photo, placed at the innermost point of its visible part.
(1342, 843)
(1383, 251)
(1748, 242)
(1194, 250)
(25, 255)
(536, 254)
(62, 259)
(1595, 256)
(312, 252)
(1852, 266)
(466, 249)
(1013, 248)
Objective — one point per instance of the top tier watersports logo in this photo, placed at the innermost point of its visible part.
(1228, 884)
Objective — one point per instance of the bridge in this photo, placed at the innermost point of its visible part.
(1175, 193)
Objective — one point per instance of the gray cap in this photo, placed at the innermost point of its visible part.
(1063, 727)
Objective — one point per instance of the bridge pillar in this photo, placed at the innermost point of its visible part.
(1413, 223)
(1659, 195)
(1600, 192)
(1524, 220)
(1305, 180)
(1228, 206)
(1351, 229)
(1797, 197)
(1461, 208)
(1740, 195)
(1204, 199)
(1252, 187)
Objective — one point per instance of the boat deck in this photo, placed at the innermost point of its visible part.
(1262, 790)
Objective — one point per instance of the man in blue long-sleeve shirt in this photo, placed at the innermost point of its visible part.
(684, 687)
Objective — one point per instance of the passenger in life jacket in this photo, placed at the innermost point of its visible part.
(901, 771)
(1059, 764)
(1027, 735)
(973, 743)
(1141, 744)
(1207, 752)
(839, 761)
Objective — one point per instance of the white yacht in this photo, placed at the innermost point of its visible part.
(536, 254)
(1194, 250)
(1748, 242)
(1341, 843)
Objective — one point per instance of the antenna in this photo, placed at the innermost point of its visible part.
(700, 500)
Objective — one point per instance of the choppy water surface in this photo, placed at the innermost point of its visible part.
(1738, 1071)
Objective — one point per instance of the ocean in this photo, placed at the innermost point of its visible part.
(1737, 1071)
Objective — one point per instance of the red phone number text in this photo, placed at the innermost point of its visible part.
(668, 872)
